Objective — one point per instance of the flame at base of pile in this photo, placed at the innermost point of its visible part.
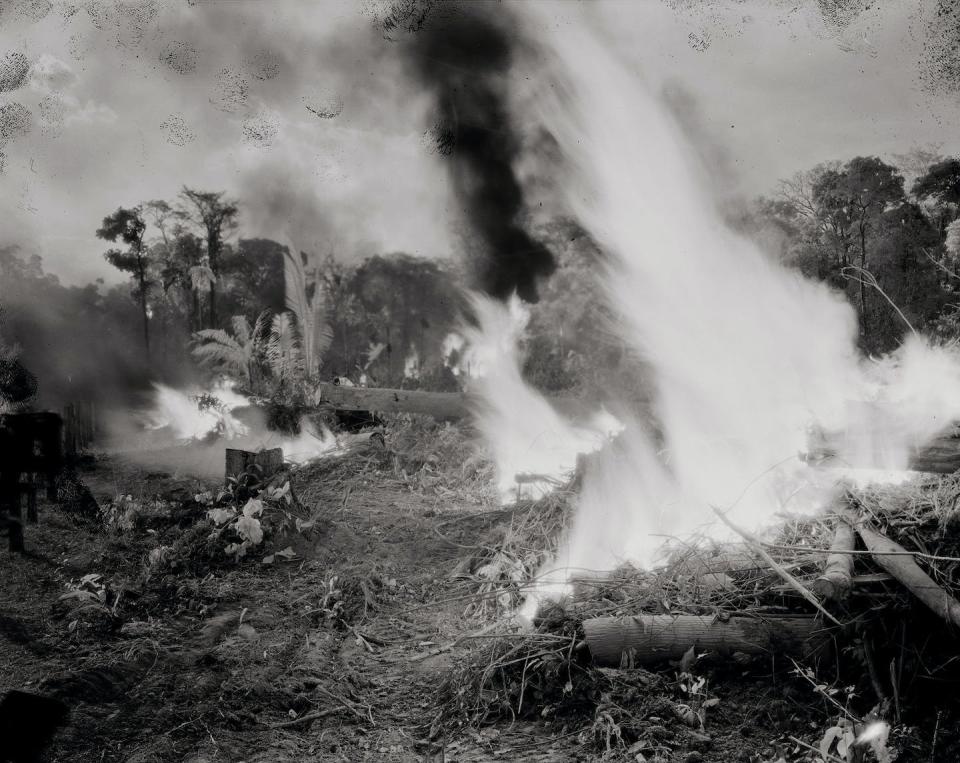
(746, 357)
(186, 431)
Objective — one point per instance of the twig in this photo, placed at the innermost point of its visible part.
(874, 674)
(830, 756)
(860, 552)
(939, 264)
(869, 279)
(342, 700)
(309, 717)
(936, 732)
(447, 647)
(790, 579)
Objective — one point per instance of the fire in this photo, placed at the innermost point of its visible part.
(528, 438)
(748, 356)
(199, 414)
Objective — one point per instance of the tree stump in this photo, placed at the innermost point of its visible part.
(263, 464)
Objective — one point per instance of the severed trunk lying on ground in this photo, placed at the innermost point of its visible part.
(837, 578)
(644, 639)
(441, 405)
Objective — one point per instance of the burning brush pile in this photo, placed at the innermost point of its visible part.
(726, 532)
(850, 616)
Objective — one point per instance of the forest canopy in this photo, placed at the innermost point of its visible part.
(203, 292)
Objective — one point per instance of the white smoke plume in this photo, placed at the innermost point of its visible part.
(749, 358)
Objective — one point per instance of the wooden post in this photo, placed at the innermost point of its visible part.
(30, 488)
(264, 464)
(644, 639)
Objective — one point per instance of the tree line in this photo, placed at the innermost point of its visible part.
(203, 296)
(891, 246)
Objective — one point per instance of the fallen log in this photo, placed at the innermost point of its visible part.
(644, 639)
(836, 580)
(938, 455)
(900, 563)
(444, 406)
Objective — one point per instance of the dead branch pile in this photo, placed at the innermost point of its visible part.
(866, 594)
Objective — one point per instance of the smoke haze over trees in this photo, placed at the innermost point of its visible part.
(892, 248)
(856, 226)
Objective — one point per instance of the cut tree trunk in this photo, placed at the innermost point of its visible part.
(941, 455)
(938, 455)
(645, 639)
(837, 578)
(264, 464)
(440, 405)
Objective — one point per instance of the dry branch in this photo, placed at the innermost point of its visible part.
(776, 567)
(643, 639)
(896, 560)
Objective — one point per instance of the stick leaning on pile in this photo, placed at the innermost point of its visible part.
(902, 565)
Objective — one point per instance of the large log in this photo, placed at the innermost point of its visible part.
(645, 639)
(440, 405)
(941, 455)
(938, 455)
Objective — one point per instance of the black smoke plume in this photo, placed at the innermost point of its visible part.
(463, 56)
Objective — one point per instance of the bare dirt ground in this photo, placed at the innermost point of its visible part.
(347, 629)
(343, 652)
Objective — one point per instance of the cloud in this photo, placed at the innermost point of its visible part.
(90, 113)
(49, 74)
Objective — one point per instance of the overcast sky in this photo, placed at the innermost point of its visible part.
(302, 110)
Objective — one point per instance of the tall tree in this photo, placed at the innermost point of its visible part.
(938, 190)
(216, 217)
(129, 226)
(903, 267)
(941, 181)
(853, 198)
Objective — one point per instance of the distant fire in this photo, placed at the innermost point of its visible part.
(198, 413)
(201, 415)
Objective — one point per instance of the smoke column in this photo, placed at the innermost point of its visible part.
(463, 57)
(748, 357)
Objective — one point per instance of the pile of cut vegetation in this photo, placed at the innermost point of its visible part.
(850, 617)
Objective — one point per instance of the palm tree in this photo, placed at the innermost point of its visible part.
(306, 299)
(238, 354)
(283, 351)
